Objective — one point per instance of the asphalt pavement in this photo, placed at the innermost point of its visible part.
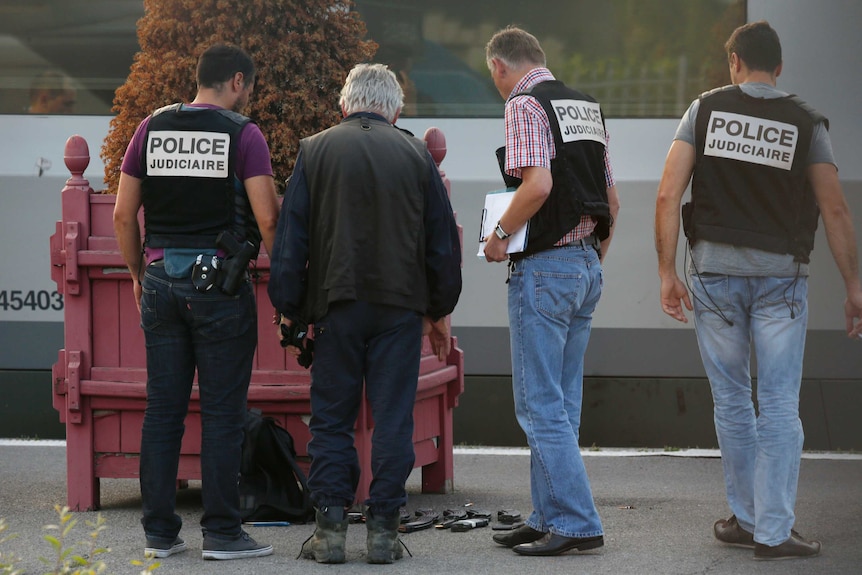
(657, 508)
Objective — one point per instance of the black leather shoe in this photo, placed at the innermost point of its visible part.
(731, 532)
(553, 544)
(523, 534)
(796, 547)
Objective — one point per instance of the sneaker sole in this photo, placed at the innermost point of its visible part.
(740, 545)
(163, 553)
(784, 557)
(227, 555)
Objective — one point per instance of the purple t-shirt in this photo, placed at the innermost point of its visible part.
(252, 159)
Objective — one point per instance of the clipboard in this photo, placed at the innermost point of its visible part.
(496, 203)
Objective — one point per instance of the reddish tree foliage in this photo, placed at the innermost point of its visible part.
(303, 50)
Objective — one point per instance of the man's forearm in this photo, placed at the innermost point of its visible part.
(674, 180)
(614, 205)
(842, 243)
(666, 235)
(126, 226)
(837, 220)
(129, 240)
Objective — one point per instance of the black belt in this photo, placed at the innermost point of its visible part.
(591, 240)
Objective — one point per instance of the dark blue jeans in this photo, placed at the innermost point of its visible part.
(217, 334)
(379, 345)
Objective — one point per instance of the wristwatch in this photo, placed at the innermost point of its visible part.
(501, 233)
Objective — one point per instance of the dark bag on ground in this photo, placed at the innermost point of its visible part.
(272, 486)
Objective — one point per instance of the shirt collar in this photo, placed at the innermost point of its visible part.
(530, 79)
(371, 115)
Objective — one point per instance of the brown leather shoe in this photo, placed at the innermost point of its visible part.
(731, 532)
(796, 547)
(523, 534)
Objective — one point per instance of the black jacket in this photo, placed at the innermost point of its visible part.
(365, 217)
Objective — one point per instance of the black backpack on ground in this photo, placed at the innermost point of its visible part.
(272, 486)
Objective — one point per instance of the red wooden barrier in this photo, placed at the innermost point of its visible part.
(100, 376)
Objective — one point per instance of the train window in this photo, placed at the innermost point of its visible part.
(640, 58)
(65, 56)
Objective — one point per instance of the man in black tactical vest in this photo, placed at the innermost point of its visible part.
(556, 156)
(202, 173)
(762, 170)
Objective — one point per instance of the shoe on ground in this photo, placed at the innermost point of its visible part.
(160, 550)
(382, 541)
(729, 531)
(328, 542)
(523, 534)
(796, 547)
(553, 544)
(242, 548)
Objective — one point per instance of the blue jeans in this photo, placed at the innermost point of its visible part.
(552, 296)
(380, 346)
(760, 452)
(217, 334)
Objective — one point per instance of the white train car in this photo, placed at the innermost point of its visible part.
(635, 351)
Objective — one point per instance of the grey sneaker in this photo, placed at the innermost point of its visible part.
(161, 550)
(241, 548)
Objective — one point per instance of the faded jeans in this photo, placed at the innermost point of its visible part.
(760, 452)
(552, 296)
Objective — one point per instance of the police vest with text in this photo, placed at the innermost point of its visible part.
(750, 186)
(190, 191)
(578, 170)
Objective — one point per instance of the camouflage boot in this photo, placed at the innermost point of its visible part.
(326, 545)
(382, 541)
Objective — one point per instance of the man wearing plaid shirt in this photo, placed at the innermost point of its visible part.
(556, 156)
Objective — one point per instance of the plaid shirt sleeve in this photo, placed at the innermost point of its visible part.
(528, 136)
(609, 171)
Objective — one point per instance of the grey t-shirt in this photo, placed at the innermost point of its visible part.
(727, 259)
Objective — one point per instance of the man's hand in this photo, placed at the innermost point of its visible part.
(536, 184)
(673, 295)
(291, 349)
(138, 290)
(853, 311)
(495, 248)
(438, 336)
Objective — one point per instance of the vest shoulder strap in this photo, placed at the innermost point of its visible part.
(718, 90)
(235, 117)
(816, 116)
(168, 108)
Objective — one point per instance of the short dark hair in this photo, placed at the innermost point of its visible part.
(220, 62)
(757, 45)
